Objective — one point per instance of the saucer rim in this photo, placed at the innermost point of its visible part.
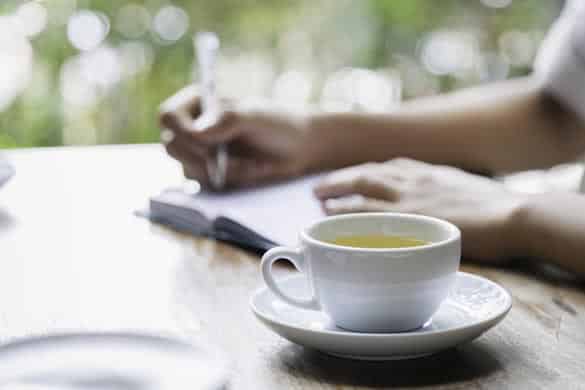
(491, 320)
(7, 171)
(217, 364)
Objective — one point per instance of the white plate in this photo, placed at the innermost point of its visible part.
(120, 361)
(474, 305)
(6, 171)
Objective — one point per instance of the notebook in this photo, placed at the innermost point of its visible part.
(256, 219)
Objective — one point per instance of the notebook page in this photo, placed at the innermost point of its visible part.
(278, 212)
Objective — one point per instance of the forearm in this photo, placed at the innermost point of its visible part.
(494, 129)
(551, 227)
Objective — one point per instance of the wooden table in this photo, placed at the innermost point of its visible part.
(73, 256)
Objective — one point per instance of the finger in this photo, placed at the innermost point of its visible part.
(207, 130)
(214, 131)
(185, 100)
(178, 111)
(353, 204)
(197, 172)
(245, 172)
(404, 162)
(187, 145)
(186, 157)
(177, 121)
(351, 183)
(356, 204)
(194, 167)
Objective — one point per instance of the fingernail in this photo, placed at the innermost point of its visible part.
(351, 201)
(167, 136)
(204, 122)
(331, 204)
(191, 187)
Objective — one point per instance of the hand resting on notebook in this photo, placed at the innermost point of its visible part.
(484, 209)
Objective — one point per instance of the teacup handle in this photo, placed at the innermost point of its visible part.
(296, 257)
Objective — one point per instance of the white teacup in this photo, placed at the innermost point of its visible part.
(367, 289)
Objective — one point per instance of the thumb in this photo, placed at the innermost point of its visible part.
(216, 129)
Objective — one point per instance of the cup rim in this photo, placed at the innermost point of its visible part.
(455, 236)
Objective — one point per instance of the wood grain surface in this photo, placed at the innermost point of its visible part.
(74, 257)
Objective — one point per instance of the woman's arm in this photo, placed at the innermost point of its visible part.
(551, 227)
(497, 224)
(492, 129)
(504, 127)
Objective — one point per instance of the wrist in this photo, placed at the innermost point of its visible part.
(334, 140)
(316, 143)
(519, 228)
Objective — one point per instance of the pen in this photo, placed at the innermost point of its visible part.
(207, 47)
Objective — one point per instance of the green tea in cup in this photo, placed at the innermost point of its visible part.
(379, 241)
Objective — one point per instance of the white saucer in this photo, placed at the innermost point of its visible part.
(474, 305)
(122, 361)
(6, 171)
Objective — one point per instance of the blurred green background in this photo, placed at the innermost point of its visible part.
(93, 72)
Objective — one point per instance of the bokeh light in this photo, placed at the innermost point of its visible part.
(136, 57)
(361, 89)
(133, 20)
(292, 88)
(76, 89)
(376, 91)
(32, 17)
(16, 60)
(493, 67)
(245, 75)
(171, 23)
(87, 29)
(416, 80)
(518, 47)
(113, 62)
(101, 67)
(449, 52)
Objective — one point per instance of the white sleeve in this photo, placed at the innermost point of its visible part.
(561, 59)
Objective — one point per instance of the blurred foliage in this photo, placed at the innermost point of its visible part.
(360, 33)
